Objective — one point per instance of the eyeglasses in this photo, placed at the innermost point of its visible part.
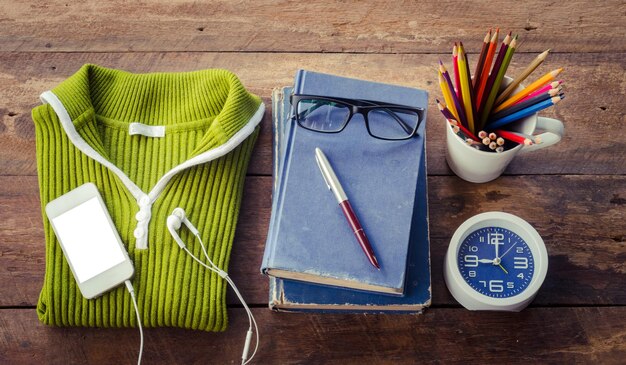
(331, 115)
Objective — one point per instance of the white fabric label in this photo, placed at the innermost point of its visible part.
(146, 130)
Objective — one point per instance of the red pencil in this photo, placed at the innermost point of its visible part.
(514, 137)
(481, 60)
(457, 78)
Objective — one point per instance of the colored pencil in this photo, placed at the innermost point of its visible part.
(455, 67)
(513, 137)
(551, 86)
(465, 88)
(524, 104)
(529, 89)
(457, 103)
(481, 60)
(483, 110)
(522, 76)
(469, 79)
(524, 112)
(484, 75)
(534, 139)
(447, 96)
(446, 113)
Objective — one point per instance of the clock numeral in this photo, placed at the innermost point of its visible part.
(483, 282)
(471, 260)
(521, 275)
(496, 286)
(520, 262)
(481, 239)
(510, 285)
(473, 248)
(519, 249)
(472, 274)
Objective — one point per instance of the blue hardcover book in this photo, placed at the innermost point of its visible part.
(295, 296)
(309, 239)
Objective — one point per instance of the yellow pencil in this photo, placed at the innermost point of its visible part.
(447, 96)
(465, 89)
(529, 89)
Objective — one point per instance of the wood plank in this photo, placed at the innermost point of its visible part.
(279, 26)
(592, 112)
(581, 219)
(538, 335)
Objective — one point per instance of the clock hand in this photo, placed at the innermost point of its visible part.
(510, 248)
(486, 261)
(497, 246)
(503, 269)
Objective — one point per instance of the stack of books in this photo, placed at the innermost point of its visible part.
(312, 257)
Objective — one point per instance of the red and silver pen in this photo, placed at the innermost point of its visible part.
(335, 186)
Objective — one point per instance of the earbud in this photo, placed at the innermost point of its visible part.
(174, 221)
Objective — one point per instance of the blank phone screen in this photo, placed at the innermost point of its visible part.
(88, 240)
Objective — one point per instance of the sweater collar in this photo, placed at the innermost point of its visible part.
(164, 99)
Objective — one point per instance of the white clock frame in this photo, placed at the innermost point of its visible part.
(470, 298)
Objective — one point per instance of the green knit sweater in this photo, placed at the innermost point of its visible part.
(196, 160)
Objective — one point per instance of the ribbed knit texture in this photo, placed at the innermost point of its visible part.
(200, 110)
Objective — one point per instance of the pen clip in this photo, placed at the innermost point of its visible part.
(319, 164)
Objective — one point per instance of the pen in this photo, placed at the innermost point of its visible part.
(335, 186)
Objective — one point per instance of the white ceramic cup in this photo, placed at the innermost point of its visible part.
(478, 166)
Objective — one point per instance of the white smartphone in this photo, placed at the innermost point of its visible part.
(89, 240)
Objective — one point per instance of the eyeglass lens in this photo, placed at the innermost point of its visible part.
(328, 116)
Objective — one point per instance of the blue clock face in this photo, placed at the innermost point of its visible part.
(496, 262)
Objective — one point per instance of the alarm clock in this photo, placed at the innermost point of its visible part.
(495, 261)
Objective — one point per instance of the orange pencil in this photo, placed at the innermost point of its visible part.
(479, 88)
(529, 89)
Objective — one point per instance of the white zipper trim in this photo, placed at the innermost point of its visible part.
(144, 200)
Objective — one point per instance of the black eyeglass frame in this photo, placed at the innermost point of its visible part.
(359, 106)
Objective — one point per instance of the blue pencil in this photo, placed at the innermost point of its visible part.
(524, 112)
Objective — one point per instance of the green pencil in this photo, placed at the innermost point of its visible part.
(496, 85)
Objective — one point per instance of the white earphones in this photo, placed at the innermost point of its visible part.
(174, 222)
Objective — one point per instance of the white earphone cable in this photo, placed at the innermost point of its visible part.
(129, 286)
(224, 274)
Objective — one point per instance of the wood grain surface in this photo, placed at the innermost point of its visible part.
(592, 110)
(573, 193)
(448, 335)
(307, 26)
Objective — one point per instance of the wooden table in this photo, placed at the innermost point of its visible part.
(573, 193)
